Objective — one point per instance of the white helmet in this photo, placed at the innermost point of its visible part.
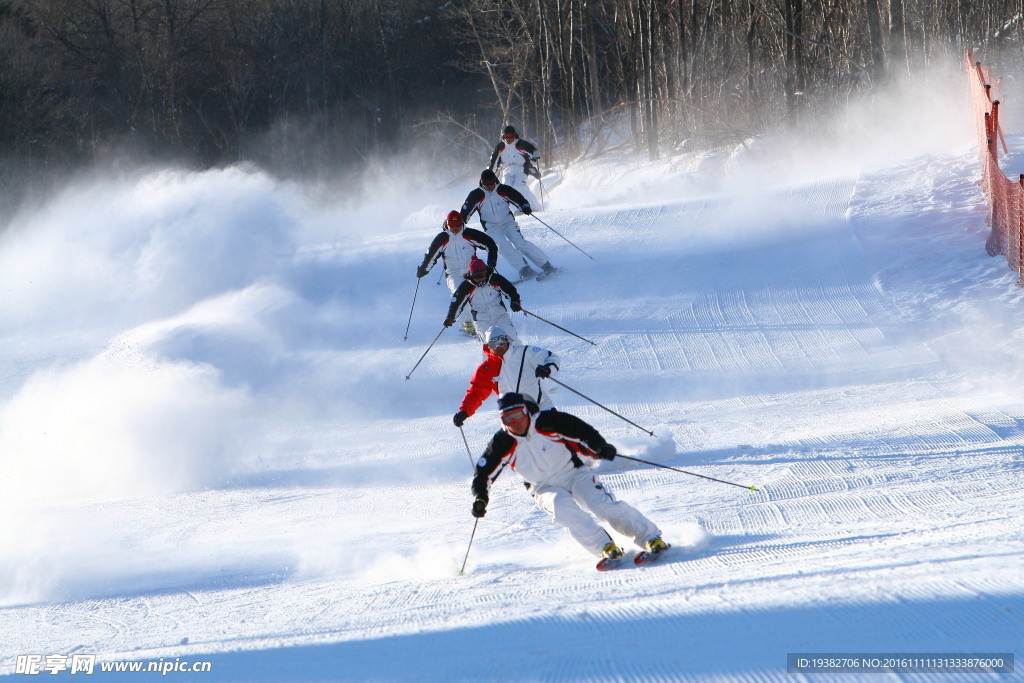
(495, 335)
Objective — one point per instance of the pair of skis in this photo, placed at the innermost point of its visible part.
(540, 277)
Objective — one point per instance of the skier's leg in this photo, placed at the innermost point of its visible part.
(499, 318)
(621, 516)
(505, 248)
(525, 246)
(564, 512)
(516, 177)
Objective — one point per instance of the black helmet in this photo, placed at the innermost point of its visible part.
(509, 130)
(488, 176)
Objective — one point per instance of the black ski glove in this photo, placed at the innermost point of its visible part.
(527, 210)
(448, 322)
(421, 271)
(606, 452)
(516, 306)
(543, 370)
(460, 418)
(479, 507)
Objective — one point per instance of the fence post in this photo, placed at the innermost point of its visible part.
(989, 137)
(1020, 231)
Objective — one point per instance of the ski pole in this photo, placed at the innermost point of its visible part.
(471, 536)
(468, 452)
(562, 236)
(425, 353)
(406, 337)
(558, 326)
(692, 474)
(601, 406)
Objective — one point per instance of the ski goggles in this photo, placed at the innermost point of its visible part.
(497, 341)
(514, 415)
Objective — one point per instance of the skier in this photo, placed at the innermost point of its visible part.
(481, 291)
(492, 200)
(547, 449)
(515, 157)
(508, 367)
(455, 245)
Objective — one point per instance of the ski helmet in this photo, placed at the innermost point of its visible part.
(494, 336)
(509, 130)
(488, 177)
(511, 401)
(453, 219)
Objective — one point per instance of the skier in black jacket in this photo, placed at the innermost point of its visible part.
(548, 450)
(515, 158)
(491, 200)
(481, 291)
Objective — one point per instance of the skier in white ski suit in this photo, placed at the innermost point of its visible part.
(548, 449)
(508, 366)
(481, 291)
(491, 199)
(514, 157)
(455, 245)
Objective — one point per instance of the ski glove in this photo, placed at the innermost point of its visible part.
(606, 452)
(448, 322)
(527, 210)
(516, 306)
(544, 370)
(460, 418)
(479, 507)
(421, 271)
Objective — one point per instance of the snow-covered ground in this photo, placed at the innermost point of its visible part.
(210, 451)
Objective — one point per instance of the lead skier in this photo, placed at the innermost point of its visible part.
(491, 200)
(548, 449)
(508, 366)
(515, 157)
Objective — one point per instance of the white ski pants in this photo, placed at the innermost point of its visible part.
(485, 319)
(513, 246)
(578, 493)
(515, 177)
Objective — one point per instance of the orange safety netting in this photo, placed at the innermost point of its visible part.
(1006, 211)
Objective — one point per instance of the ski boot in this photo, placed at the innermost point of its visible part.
(469, 329)
(526, 272)
(547, 270)
(655, 548)
(612, 557)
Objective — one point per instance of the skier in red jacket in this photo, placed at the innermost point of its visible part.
(508, 366)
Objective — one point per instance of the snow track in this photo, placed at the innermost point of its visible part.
(785, 341)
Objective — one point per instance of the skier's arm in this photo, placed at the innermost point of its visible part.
(575, 429)
(500, 447)
(457, 298)
(529, 148)
(546, 363)
(508, 288)
(480, 386)
(435, 246)
(513, 195)
(471, 204)
(484, 240)
(495, 155)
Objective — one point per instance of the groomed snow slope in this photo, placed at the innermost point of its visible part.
(211, 452)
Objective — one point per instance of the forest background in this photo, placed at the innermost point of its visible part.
(315, 87)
